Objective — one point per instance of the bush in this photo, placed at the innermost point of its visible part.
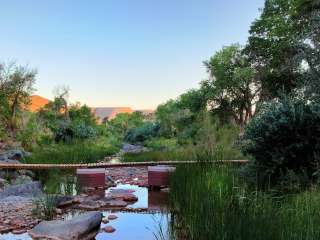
(216, 142)
(284, 142)
(142, 133)
(83, 131)
(33, 132)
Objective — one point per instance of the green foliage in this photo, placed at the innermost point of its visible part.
(284, 47)
(283, 140)
(44, 207)
(211, 142)
(231, 89)
(213, 203)
(158, 156)
(82, 113)
(88, 151)
(123, 122)
(177, 117)
(142, 133)
(16, 85)
(32, 132)
(83, 131)
(76, 122)
(162, 144)
(215, 142)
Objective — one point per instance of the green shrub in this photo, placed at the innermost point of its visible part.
(32, 132)
(142, 133)
(216, 142)
(284, 142)
(83, 131)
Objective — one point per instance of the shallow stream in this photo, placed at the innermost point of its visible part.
(151, 223)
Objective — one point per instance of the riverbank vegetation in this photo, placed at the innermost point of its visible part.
(260, 102)
(275, 195)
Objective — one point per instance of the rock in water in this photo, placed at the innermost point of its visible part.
(83, 227)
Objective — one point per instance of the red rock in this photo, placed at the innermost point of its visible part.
(109, 229)
(130, 198)
(117, 203)
(19, 231)
(112, 217)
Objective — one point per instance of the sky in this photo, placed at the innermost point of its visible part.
(135, 53)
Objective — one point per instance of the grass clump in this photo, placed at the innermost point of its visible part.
(213, 203)
(44, 207)
(88, 151)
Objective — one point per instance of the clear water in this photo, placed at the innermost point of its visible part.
(128, 225)
(137, 226)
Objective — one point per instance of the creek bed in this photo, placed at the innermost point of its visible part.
(151, 220)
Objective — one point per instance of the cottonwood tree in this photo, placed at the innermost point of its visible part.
(308, 17)
(232, 90)
(284, 47)
(272, 48)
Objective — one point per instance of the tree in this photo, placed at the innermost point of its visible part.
(16, 85)
(82, 113)
(165, 116)
(194, 100)
(308, 17)
(272, 48)
(284, 48)
(231, 89)
(125, 121)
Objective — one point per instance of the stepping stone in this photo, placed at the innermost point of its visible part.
(109, 229)
(112, 217)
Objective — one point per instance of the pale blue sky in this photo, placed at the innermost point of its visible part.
(136, 53)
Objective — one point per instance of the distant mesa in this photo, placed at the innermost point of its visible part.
(107, 113)
(101, 113)
(36, 103)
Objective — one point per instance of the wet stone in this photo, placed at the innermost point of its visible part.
(109, 229)
(112, 217)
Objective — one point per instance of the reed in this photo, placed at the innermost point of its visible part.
(213, 203)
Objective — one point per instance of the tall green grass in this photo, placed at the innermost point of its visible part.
(188, 153)
(77, 152)
(156, 156)
(211, 143)
(213, 203)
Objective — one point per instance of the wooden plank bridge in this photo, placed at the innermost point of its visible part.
(113, 165)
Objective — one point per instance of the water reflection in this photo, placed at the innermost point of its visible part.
(151, 224)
